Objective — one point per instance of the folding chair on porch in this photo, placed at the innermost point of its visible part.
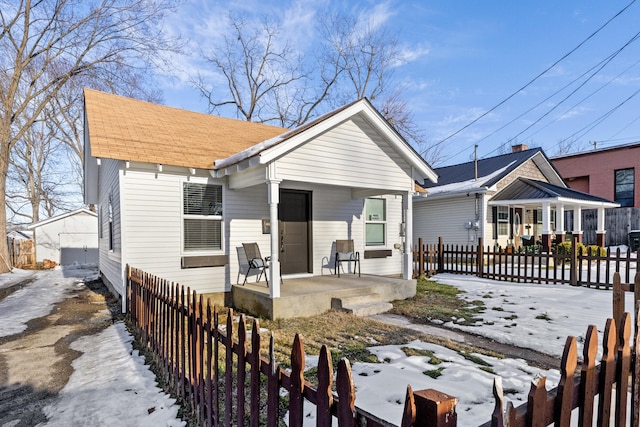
(255, 261)
(345, 253)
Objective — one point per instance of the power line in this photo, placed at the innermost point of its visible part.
(536, 77)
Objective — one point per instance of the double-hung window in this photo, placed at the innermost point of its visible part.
(375, 222)
(624, 187)
(202, 217)
(110, 221)
(503, 220)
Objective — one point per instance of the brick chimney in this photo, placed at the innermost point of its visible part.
(518, 148)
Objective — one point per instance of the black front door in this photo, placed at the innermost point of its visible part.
(294, 214)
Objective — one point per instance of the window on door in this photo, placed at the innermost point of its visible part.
(202, 217)
(624, 187)
(375, 222)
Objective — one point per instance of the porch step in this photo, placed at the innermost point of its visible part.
(369, 308)
(361, 303)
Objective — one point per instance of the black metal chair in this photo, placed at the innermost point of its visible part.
(255, 261)
(345, 253)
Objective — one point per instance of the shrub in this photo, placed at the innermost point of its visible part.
(565, 249)
(596, 250)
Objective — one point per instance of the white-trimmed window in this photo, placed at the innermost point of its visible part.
(375, 222)
(110, 221)
(503, 220)
(202, 217)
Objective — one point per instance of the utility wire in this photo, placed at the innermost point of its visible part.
(589, 96)
(536, 77)
(599, 64)
(600, 119)
(578, 88)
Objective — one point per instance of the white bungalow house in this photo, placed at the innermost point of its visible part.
(178, 193)
(507, 200)
(68, 238)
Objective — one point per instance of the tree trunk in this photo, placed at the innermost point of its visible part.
(4, 165)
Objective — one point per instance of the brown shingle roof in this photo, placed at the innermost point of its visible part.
(128, 129)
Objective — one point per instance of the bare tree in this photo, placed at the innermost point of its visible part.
(260, 74)
(38, 180)
(43, 44)
(265, 80)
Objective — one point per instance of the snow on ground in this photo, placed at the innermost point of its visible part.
(17, 275)
(111, 385)
(534, 316)
(37, 299)
(525, 315)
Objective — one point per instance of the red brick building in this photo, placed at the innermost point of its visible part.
(612, 173)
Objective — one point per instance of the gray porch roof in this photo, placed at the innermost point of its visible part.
(530, 191)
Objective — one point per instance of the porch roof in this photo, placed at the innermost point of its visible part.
(525, 191)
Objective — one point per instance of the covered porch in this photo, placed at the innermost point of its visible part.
(547, 204)
(308, 296)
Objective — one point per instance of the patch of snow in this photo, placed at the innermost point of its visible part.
(111, 385)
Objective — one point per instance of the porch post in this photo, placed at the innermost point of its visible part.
(546, 227)
(600, 231)
(407, 203)
(560, 223)
(274, 264)
(577, 223)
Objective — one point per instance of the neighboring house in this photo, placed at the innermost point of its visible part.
(506, 200)
(70, 238)
(20, 234)
(178, 193)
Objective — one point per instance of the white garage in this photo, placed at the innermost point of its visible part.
(70, 238)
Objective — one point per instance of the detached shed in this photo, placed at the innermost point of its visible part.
(70, 238)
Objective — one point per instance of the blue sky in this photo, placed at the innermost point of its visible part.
(462, 58)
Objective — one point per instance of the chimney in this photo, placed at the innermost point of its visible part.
(518, 148)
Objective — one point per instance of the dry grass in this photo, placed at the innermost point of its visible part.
(436, 301)
(346, 335)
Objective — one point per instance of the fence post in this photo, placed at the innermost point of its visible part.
(618, 300)
(480, 260)
(420, 258)
(435, 409)
(440, 255)
(573, 266)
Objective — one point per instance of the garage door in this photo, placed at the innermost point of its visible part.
(78, 248)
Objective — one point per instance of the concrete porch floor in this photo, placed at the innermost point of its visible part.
(308, 296)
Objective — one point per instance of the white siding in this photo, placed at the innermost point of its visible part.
(445, 218)
(335, 215)
(244, 211)
(152, 203)
(350, 155)
(110, 260)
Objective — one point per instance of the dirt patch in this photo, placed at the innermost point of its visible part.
(37, 363)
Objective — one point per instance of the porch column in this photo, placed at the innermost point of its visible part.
(407, 205)
(274, 264)
(601, 233)
(577, 223)
(560, 223)
(546, 227)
